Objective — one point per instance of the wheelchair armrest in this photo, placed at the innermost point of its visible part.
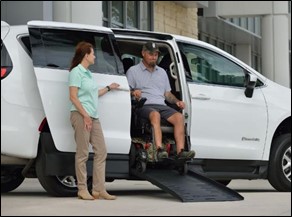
(138, 103)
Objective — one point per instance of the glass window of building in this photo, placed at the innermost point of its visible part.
(255, 63)
(222, 44)
(128, 14)
(252, 24)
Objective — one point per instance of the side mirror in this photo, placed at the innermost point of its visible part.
(250, 83)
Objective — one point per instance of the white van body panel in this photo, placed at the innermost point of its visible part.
(21, 107)
(278, 100)
(223, 122)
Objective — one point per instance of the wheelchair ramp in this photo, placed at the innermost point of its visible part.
(191, 187)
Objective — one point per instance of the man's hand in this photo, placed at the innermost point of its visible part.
(137, 94)
(180, 104)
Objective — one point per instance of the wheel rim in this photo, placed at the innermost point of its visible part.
(286, 164)
(68, 181)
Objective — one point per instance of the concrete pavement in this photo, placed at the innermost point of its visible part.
(136, 198)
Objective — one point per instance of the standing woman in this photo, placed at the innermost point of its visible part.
(84, 116)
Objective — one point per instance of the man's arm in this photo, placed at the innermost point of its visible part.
(132, 83)
(169, 97)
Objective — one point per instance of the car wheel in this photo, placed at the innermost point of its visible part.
(59, 186)
(279, 174)
(10, 179)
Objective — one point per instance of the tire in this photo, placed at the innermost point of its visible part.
(279, 173)
(10, 179)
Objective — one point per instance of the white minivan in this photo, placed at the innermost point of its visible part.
(237, 121)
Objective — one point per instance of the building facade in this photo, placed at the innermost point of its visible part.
(256, 32)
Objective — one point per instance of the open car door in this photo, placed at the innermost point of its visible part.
(53, 46)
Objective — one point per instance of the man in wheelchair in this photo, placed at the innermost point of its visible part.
(149, 81)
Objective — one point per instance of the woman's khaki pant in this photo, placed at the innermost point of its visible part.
(83, 138)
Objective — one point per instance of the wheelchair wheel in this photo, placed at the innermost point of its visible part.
(141, 166)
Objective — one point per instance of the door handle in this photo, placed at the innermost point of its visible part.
(201, 97)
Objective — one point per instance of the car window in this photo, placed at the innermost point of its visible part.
(26, 43)
(205, 66)
(55, 48)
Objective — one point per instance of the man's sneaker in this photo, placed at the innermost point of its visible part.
(161, 154)
(186, 154)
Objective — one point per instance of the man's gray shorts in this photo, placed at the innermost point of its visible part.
(164, 110)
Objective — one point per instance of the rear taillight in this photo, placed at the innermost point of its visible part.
(5, 71)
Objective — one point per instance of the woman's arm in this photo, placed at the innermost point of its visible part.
(108, 88)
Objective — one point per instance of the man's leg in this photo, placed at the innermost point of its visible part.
(154, 118)
(177, 121)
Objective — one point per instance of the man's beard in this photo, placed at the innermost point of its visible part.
(152, 64)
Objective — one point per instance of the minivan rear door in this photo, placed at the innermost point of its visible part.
(53, 46)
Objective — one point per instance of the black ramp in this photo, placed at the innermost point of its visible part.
(191, 187)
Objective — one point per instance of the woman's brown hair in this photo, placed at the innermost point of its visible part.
(81, 49)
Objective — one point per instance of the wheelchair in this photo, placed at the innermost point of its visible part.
(143, 151)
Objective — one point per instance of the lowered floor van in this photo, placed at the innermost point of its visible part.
(237, 121)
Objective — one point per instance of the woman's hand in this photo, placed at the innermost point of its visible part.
(87, 123)
(114, 86)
